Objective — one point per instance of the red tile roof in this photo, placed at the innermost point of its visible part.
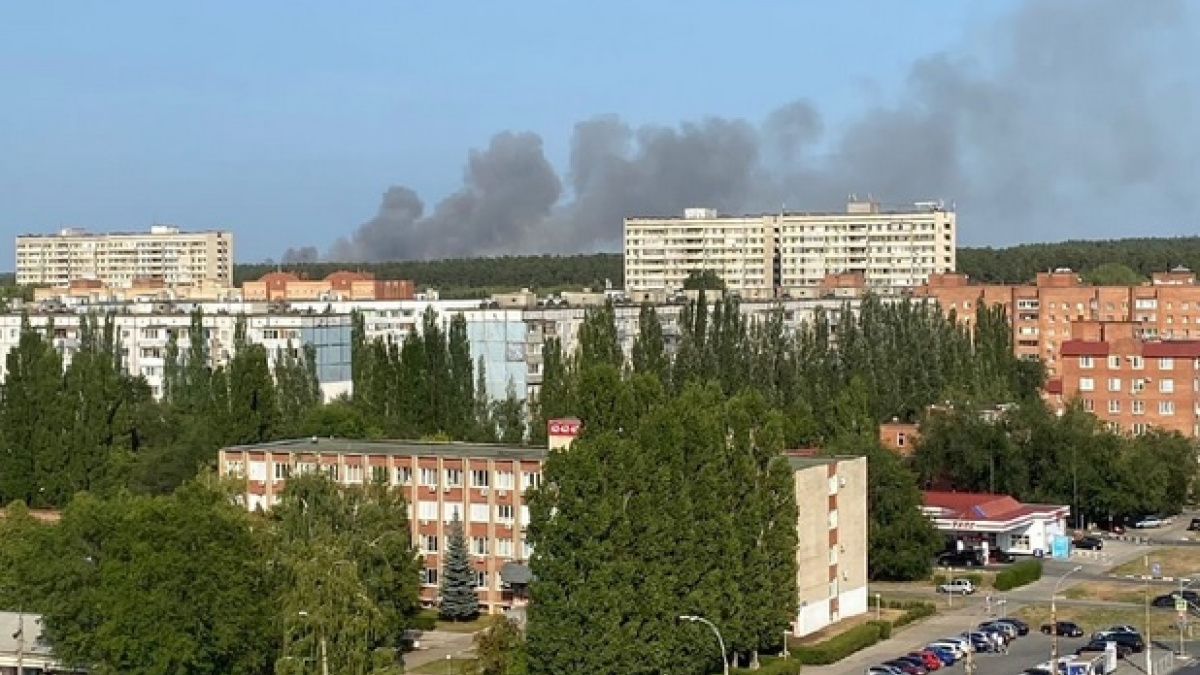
(1188, 349)
(1083, 348)
(983, 506)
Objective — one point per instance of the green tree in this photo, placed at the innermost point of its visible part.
(459, 601)
(460, 395)
(649, 353)
(706, 280)
(30, 418)
(500, 648)
(509, 416)
(1113, 274)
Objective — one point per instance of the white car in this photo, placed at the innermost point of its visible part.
(957, 586)
(956, 648)
(1148, 522)
(963, 643)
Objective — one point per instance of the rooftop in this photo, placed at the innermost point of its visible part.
(982, 506)
(798, 462)
(338, 446)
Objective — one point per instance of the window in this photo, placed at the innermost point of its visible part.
(504, 480)
(404, 475)
(524, 515)
(235, 468)
(282, 471)
(429, 576)
(453, 477)
(481, 579)
(1114, 363)
(1136, 362)
(479, 513)
(1114, 384)
(1020, 542)
(1089, 405)
(833, 485)
(1087, 384)
(258, 471)
(1166, 363)
(480, 478)
(1085, 362)
(427, 510)
(1166, 407)
(1114, 407)
(1139, 428)
(833, 588)
(431, 543)
(833, 555)
(1138, 407)
(1139, 386)
(453, 512)
(429, 476)
(378, 474)
(504, 548)
(1166, 386)
(504, 512)
(479, 545)
(833, 519)
(530, 480)
(901, 439)
(354, 473)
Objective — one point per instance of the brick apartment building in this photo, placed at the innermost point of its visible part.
(1045, 313)
(338, 286)
(485, 485)
(1129, 380)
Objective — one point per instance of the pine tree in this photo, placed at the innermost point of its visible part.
(485, 424)
(460, 395)
(459, 601)
(649, 353)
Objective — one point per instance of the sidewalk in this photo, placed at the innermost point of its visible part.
(436, 646)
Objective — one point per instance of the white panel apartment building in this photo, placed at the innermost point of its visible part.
(165, 253)
(760, 256)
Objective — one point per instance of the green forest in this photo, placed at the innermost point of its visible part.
(676, 499)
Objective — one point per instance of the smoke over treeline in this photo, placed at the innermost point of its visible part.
(1069, 118)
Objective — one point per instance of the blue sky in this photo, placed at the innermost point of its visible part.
(286, 121)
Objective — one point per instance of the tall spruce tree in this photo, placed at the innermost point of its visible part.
(458, 599)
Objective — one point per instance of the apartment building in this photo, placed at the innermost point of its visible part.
(117, 259)
(342, 285)
(1043, 314)
(831, 558)
(772, 254)
(1130, 381)
(144, 336)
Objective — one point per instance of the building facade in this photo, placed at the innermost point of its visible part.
(117, 259)
(1043, 314)
(785, 253)
(338, 286)
(831, 558)
(1129, 381)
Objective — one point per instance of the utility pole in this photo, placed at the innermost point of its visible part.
(20, 642)
(1054, 618)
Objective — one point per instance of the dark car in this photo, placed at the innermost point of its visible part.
(1090, 543)
(1133, 641)
(908, 667)
(1194, 526)
(917, 662)
(1163, 601)
(1063, 629)
(1101, 646)
(1000, 557)
(1021, 626)
(959, 559)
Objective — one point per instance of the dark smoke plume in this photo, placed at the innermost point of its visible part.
(1069, 119)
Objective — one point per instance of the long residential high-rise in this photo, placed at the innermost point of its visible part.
(773, 254)
(118, 259)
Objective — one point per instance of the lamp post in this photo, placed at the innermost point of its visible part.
(716, 631)
(1054, 618)
(878, 606)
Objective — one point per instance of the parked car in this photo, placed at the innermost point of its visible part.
(1194, 526)
(907, 667)
(960, 559)
(1148, 522)
(959, 586)
(1009, 630)
(917, 662)
(947, 655)
(955, 649)
(1101, 646)
(1000, 557)
(1126, 628)
(1063, 629)
(1021, 626)
(1090, 543)
(884, 670)
(1133, 641)
(928, 659)
(1163, 601)
(963, 643)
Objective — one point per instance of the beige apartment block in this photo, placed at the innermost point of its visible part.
(786, 253)
(831, 556)
(119, 259)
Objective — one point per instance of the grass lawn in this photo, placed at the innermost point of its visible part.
(1109, 591)
(454, 667)
(845, 625)
(473, 626)
(1091, 619)
(1175, 562)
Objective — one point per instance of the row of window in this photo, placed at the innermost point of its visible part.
(481, 546)
(478, 513)
(1135, 362)
(403, 475)
(1137, 385)
(1136, 406)
(483, 579)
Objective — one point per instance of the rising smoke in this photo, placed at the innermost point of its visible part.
(1069, 119)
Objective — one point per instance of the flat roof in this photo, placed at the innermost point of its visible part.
(341, 446)
(809, 461)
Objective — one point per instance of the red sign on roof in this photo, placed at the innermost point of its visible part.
(564, 427)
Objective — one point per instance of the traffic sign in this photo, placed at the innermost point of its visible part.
(1180, 605)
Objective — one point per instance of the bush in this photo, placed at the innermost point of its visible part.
(772, 665)
(1024, 572)
(885, 629)
(840, 646)
(426, 619)
(915, 611)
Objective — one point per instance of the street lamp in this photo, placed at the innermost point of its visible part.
(1054, 618)
(715, 630)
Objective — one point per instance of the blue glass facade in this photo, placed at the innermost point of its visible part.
(500, 344)
(330, 336)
